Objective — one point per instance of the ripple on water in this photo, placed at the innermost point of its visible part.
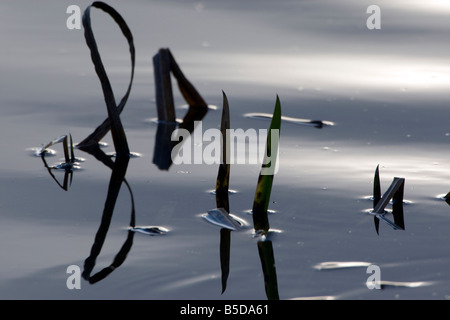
(38, 152)
(150, 230)
(398, 284)
(299, 121)
(210, 107)
(156, 120)
(223, 219)
(263, 235)
(332, 265)
(315, 298)
(230, 191)
(67, 166)
(370, 211)
(405, 202)
(269, 211)
(132, 154)
(444, 197)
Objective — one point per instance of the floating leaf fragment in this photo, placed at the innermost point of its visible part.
(220, 217)
(150, 230)
(264, 186)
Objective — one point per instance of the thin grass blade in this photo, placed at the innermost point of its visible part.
(265, 181)
(223, 176)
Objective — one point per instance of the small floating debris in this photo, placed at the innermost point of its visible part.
(220, 217)
(41, 151)
(132, 155)
(269, 211)
(76, 160)
(331, 265)
(386, 284)
(66, 166)
(230, 191)
(156, 120)
(210, 107)
(306, 122)
(150, 230)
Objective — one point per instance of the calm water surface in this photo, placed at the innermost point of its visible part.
(386, 91)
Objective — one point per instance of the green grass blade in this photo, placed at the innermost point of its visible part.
(397, 206)
(265, 181)
(223, 176)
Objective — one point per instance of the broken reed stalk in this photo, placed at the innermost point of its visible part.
(264, 186)
(389, 194)
(163, 87)
(164, 65)
(394, 192)
(112, 122)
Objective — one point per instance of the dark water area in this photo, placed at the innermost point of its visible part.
(384, 92)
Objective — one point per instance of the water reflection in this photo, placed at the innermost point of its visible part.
(70, 163)
(222, 217)
(165, 65)
(119, 168)
(264, 246)
(68, 175)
